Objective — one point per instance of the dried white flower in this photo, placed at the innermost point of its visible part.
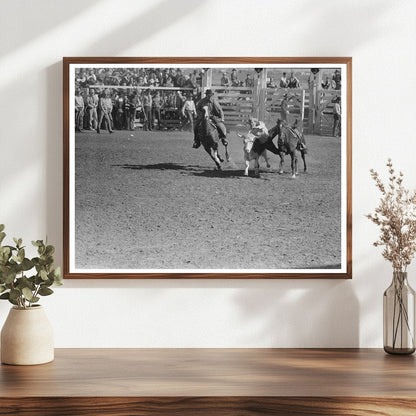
(396, 217)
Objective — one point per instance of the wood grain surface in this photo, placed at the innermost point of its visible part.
(212, 381)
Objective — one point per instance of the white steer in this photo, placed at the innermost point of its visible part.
(250, 154)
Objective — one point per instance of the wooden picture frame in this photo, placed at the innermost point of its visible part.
(107, 179)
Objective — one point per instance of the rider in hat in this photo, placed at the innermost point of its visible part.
(259, 130)
(216, 115)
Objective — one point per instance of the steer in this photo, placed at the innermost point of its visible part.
(250, 154)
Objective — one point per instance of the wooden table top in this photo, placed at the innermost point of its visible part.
(214, 372)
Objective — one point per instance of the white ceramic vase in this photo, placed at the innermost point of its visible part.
(27, 337)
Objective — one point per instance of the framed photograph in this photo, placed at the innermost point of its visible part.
(207, 168)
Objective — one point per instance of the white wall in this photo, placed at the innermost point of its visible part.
(35, 35)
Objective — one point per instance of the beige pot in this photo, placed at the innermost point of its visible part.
(27, 337)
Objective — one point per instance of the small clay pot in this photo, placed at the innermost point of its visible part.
(27, 337)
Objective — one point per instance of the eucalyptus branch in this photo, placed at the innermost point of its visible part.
(23, 280)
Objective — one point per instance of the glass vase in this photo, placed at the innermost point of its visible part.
(399, 316)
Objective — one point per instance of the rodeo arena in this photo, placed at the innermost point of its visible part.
(207, 169)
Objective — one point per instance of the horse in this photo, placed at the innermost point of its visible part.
(209, 137)
(290, 139)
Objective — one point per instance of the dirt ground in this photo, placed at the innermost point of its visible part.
(149, 200)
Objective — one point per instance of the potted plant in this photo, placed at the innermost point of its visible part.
(396, 217)
(27, 336)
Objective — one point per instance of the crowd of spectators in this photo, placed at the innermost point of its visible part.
(334, 82)
(138, 77)
(121, 108)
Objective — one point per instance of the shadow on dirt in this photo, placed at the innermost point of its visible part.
(214, 173)
(195, 170)
(162, 166)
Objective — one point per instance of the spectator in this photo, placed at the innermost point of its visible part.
(249, 81)
(178, 104)
(234, 78)
(79, 111)
(225, 81)
(284, 83)
(119, 111)
(293, 81)
(188, 82)
(136, 105)
(199, 77)
(91, 79)
(194, 78)
(189, 112)
(153, 80)
(178, 100)
(85, 94)
(336, 78)
(147, 108)
(127, 113)
(105, 107)
(100, 81)
(172, 74)
(180, 79)
(327, 83)
(336, 130)
(156, 106)
(92, 104)
(81, 79)
(271, 83)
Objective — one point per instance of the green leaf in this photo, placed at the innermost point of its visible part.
(45, 291)
(43, 274)
(9, 277)
(5, 295)
(49, 250)
(2, 227)
(26, 264)
(15, 294)
(4, 255)
(27, 293)
(5, 250)
(17, 241)
(2, 288)
(37, 243)
(2, 236)
(21, 255)
(24, 282)
(56, 276)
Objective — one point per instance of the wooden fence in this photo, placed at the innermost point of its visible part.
(238, 104)
(313, 109)
(324, 111)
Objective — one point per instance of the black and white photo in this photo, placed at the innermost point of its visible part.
(221, 168)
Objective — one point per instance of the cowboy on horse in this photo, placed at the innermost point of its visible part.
(215, 114)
